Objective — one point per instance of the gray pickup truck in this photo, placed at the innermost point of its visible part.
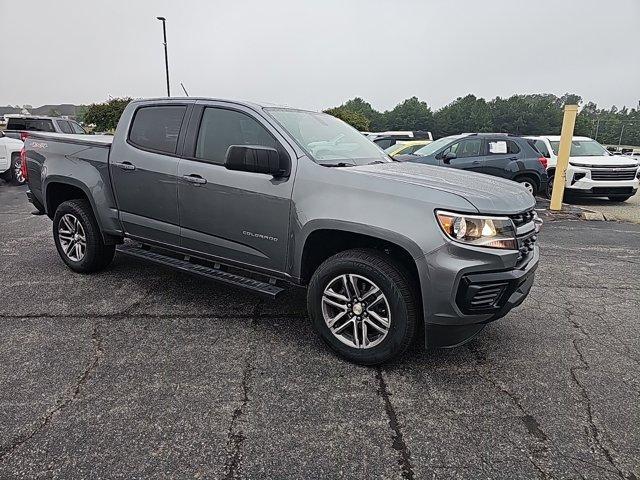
(264, 197)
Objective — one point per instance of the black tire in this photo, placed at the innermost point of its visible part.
(619, 198)
(529, 180)
(549, 189)
(394, 283)
(97, 255)
(15, 175)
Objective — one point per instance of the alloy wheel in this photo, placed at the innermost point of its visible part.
(528, 185)
(17, 171)
(72, 237)
(356, 311)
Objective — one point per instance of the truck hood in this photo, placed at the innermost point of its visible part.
(486, 193)
(604, 160)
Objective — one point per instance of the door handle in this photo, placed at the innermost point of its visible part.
(476, 162)
(196, 179)
(125, 166)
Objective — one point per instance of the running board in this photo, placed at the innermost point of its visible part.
(216, 274)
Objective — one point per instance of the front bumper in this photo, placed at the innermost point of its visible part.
(465, 287)
(584, 181)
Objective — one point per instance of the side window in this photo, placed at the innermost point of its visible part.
(465, 148)
(157, 128)
(16, 124)
(64, 126)
(220, 128)
(502, 147)
(542, 148)
(36, 125)
(77, 128)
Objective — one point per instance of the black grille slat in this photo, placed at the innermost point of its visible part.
(613, 174)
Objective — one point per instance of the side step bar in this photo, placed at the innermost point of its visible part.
(216, 274)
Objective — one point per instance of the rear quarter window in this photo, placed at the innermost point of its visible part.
(157, 128)
(502, 147)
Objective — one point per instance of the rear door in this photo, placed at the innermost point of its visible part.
(499, 156)
(144, 169)
(239, 216)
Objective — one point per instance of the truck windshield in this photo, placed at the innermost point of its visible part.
(328, 140)
(583, 148)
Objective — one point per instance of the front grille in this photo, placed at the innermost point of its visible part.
(613, 174)
(523, 218)
(526, 240)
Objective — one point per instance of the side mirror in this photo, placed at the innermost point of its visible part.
(448, 157)
(257, 159)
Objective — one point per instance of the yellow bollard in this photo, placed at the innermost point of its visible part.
(564, 151)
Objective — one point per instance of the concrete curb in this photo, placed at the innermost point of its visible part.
(570, 212)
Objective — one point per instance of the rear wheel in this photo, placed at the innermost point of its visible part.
(362, 305)
(16, 171)
(549, 189)
(529, 183)
(619, 198)
(78, 239)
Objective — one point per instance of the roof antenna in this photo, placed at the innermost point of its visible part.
(184, 89)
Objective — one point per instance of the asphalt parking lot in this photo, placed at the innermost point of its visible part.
(142, 372)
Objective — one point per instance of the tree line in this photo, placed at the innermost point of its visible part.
(534, 114)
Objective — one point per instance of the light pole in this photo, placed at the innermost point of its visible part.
(166, 57)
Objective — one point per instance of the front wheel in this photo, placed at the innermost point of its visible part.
(619, 198)
(362, 305)
(78, 238)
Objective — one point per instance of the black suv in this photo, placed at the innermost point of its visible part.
(499, 154)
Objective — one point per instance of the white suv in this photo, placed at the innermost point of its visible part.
(592, 169)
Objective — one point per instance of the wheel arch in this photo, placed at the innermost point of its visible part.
(326, 240)
(57, 190)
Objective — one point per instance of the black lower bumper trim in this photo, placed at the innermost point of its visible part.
(495, 292)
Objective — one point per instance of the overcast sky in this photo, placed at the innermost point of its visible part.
(317, 54)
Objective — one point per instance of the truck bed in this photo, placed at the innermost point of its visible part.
(90, 140)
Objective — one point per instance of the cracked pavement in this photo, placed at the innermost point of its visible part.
(141, 372)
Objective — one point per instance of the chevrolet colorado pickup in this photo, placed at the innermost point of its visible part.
(263, 197)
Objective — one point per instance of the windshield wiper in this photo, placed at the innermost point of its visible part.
(375, 162)
(339, 164)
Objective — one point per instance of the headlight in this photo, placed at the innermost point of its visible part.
(481, 231)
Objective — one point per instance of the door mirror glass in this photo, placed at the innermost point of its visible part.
(449, 156)
(257, 159)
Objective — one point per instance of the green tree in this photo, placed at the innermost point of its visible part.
(465, 114)
(412, 114)
(355, 119)
(106, 115)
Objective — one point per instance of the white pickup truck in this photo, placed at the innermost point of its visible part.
(592, 170)
(10, 160)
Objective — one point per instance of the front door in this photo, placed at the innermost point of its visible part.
(144, 171)
(468, 154)
(238, 216)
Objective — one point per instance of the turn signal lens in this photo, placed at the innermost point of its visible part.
(492, 232)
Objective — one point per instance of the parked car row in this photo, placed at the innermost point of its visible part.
(263, 197)
(531, 161)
